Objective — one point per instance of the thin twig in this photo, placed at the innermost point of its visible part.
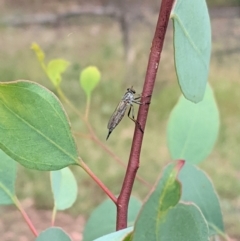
(153, 62)
(100, 184)
(25, 216)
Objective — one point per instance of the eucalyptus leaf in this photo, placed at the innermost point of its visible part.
(34, 128)
(164, 198)
(192, 46)
(193, 128)
(7, 178)
(64, 187)
(89, 79)
(197, 188)
(103, 219)
(115, 236)
(38, 51)
(184, 222)
(53, 234)
(55, 69)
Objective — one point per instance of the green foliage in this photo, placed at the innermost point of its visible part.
(184, 222)
(155, 210)
(39, 52)
(89, 79)
(53, 233)
(64, 187)
(193, 128)
(54, 69)
(116, 236)
(192, 46)
(35, 130)
(97, 226)
(198, 189)
(7, 179)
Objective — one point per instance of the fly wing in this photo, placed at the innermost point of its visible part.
(117, 115)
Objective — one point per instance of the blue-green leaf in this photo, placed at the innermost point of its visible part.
(103, 219)
(53, 234)
(154, 212)
(184, 222)
(115, 236)
(64, 187)
(197, 188)
(192, 46)
(7, 178)
(193, 128)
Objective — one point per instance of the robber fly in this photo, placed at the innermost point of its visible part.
(127, 100)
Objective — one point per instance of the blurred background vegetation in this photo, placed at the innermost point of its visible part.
(116, 37)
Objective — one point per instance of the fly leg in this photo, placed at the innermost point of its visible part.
(133, 118)
(136, 100)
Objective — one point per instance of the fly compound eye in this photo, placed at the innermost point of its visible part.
(131, 90)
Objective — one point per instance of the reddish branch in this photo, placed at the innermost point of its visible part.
(153, 62)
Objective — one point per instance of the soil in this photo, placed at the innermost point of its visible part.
(14, 228)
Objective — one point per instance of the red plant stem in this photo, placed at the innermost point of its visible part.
(133, 164)
(100, 184)
(25, 216)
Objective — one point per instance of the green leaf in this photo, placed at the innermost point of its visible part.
(55, 69)
(7, 178)
(197, 188)
(89, 78)
(162, 200)
(192, 46)
(193, 128)
(53, 234)
(64, 187)
(38, 51)
(128, 237)
(116, 236)
(34, 129)
(103, 219)
(184, 222)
